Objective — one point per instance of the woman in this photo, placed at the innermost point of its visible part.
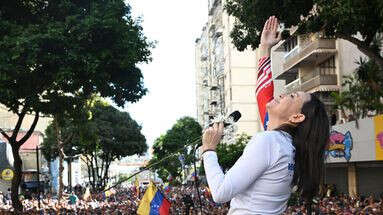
(289, 153)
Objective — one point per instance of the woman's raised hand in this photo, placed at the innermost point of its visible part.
(270, 35)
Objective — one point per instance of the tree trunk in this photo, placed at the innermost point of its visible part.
(88, 169)
(90, 177)
(70, 174)
(97, 171)
(93, 174)
(17, 165)
(61, 160)
(106, 175)
(105, 166)
(102, 170)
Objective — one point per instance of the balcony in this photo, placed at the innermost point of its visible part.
(204, 57)
(208, 113)
(312, 50)
(293, 87)
(205, 83)
(313, 83)
(213, 86)
(319, 80)
(214, 98)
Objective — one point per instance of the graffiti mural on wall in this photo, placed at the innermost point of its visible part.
(340, 145)
(378, 123)
(379, 137)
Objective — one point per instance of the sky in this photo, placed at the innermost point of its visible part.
(170, 77)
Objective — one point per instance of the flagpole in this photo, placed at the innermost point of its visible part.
(196, 178)
(194, 143)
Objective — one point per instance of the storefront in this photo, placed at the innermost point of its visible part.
(337, 175)
(370, 178)
(355, 157)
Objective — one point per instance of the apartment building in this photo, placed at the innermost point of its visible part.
(225, 77)
(315, 64)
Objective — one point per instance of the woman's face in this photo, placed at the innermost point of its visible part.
(288, 106)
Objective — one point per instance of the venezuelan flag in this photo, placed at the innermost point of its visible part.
(167, 189)
(153, 202)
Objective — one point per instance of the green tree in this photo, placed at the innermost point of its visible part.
(71, 133)
(183, 132)
(118, 136)
(55, 54)
(363, 91)
(343, 19)
(228, 154)
(109, 135)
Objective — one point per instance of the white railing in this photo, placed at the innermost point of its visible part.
(293, 86)
(291, 53)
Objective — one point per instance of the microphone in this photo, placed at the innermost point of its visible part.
(235, 116)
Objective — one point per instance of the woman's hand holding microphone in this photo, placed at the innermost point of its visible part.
(211, 137)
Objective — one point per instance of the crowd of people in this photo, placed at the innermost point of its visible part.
(341, 204)
(121, 201)
(184, 200)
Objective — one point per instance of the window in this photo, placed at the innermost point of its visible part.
(290, 44)
(327, 67)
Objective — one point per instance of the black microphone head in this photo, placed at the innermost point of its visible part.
(236, 115)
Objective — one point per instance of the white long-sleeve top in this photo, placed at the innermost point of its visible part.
(260, 180)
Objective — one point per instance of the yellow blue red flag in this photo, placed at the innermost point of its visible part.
(153, 202)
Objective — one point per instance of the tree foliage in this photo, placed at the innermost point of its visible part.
(55, 54)
(228, 154)
(344, 19)
(70, 130)
(59, 51)
(363, 92)
(109, 135)
(252, 15)
(183, 132)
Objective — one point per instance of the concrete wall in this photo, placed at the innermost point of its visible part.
(345, 59)
(276, 68)
(354, 144)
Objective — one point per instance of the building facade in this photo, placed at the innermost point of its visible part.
(355, 157)
(225, 77)
(315, 64)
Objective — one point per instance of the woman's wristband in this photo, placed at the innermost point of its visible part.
(206, 150)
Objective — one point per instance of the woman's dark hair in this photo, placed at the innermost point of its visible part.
(310, 139)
